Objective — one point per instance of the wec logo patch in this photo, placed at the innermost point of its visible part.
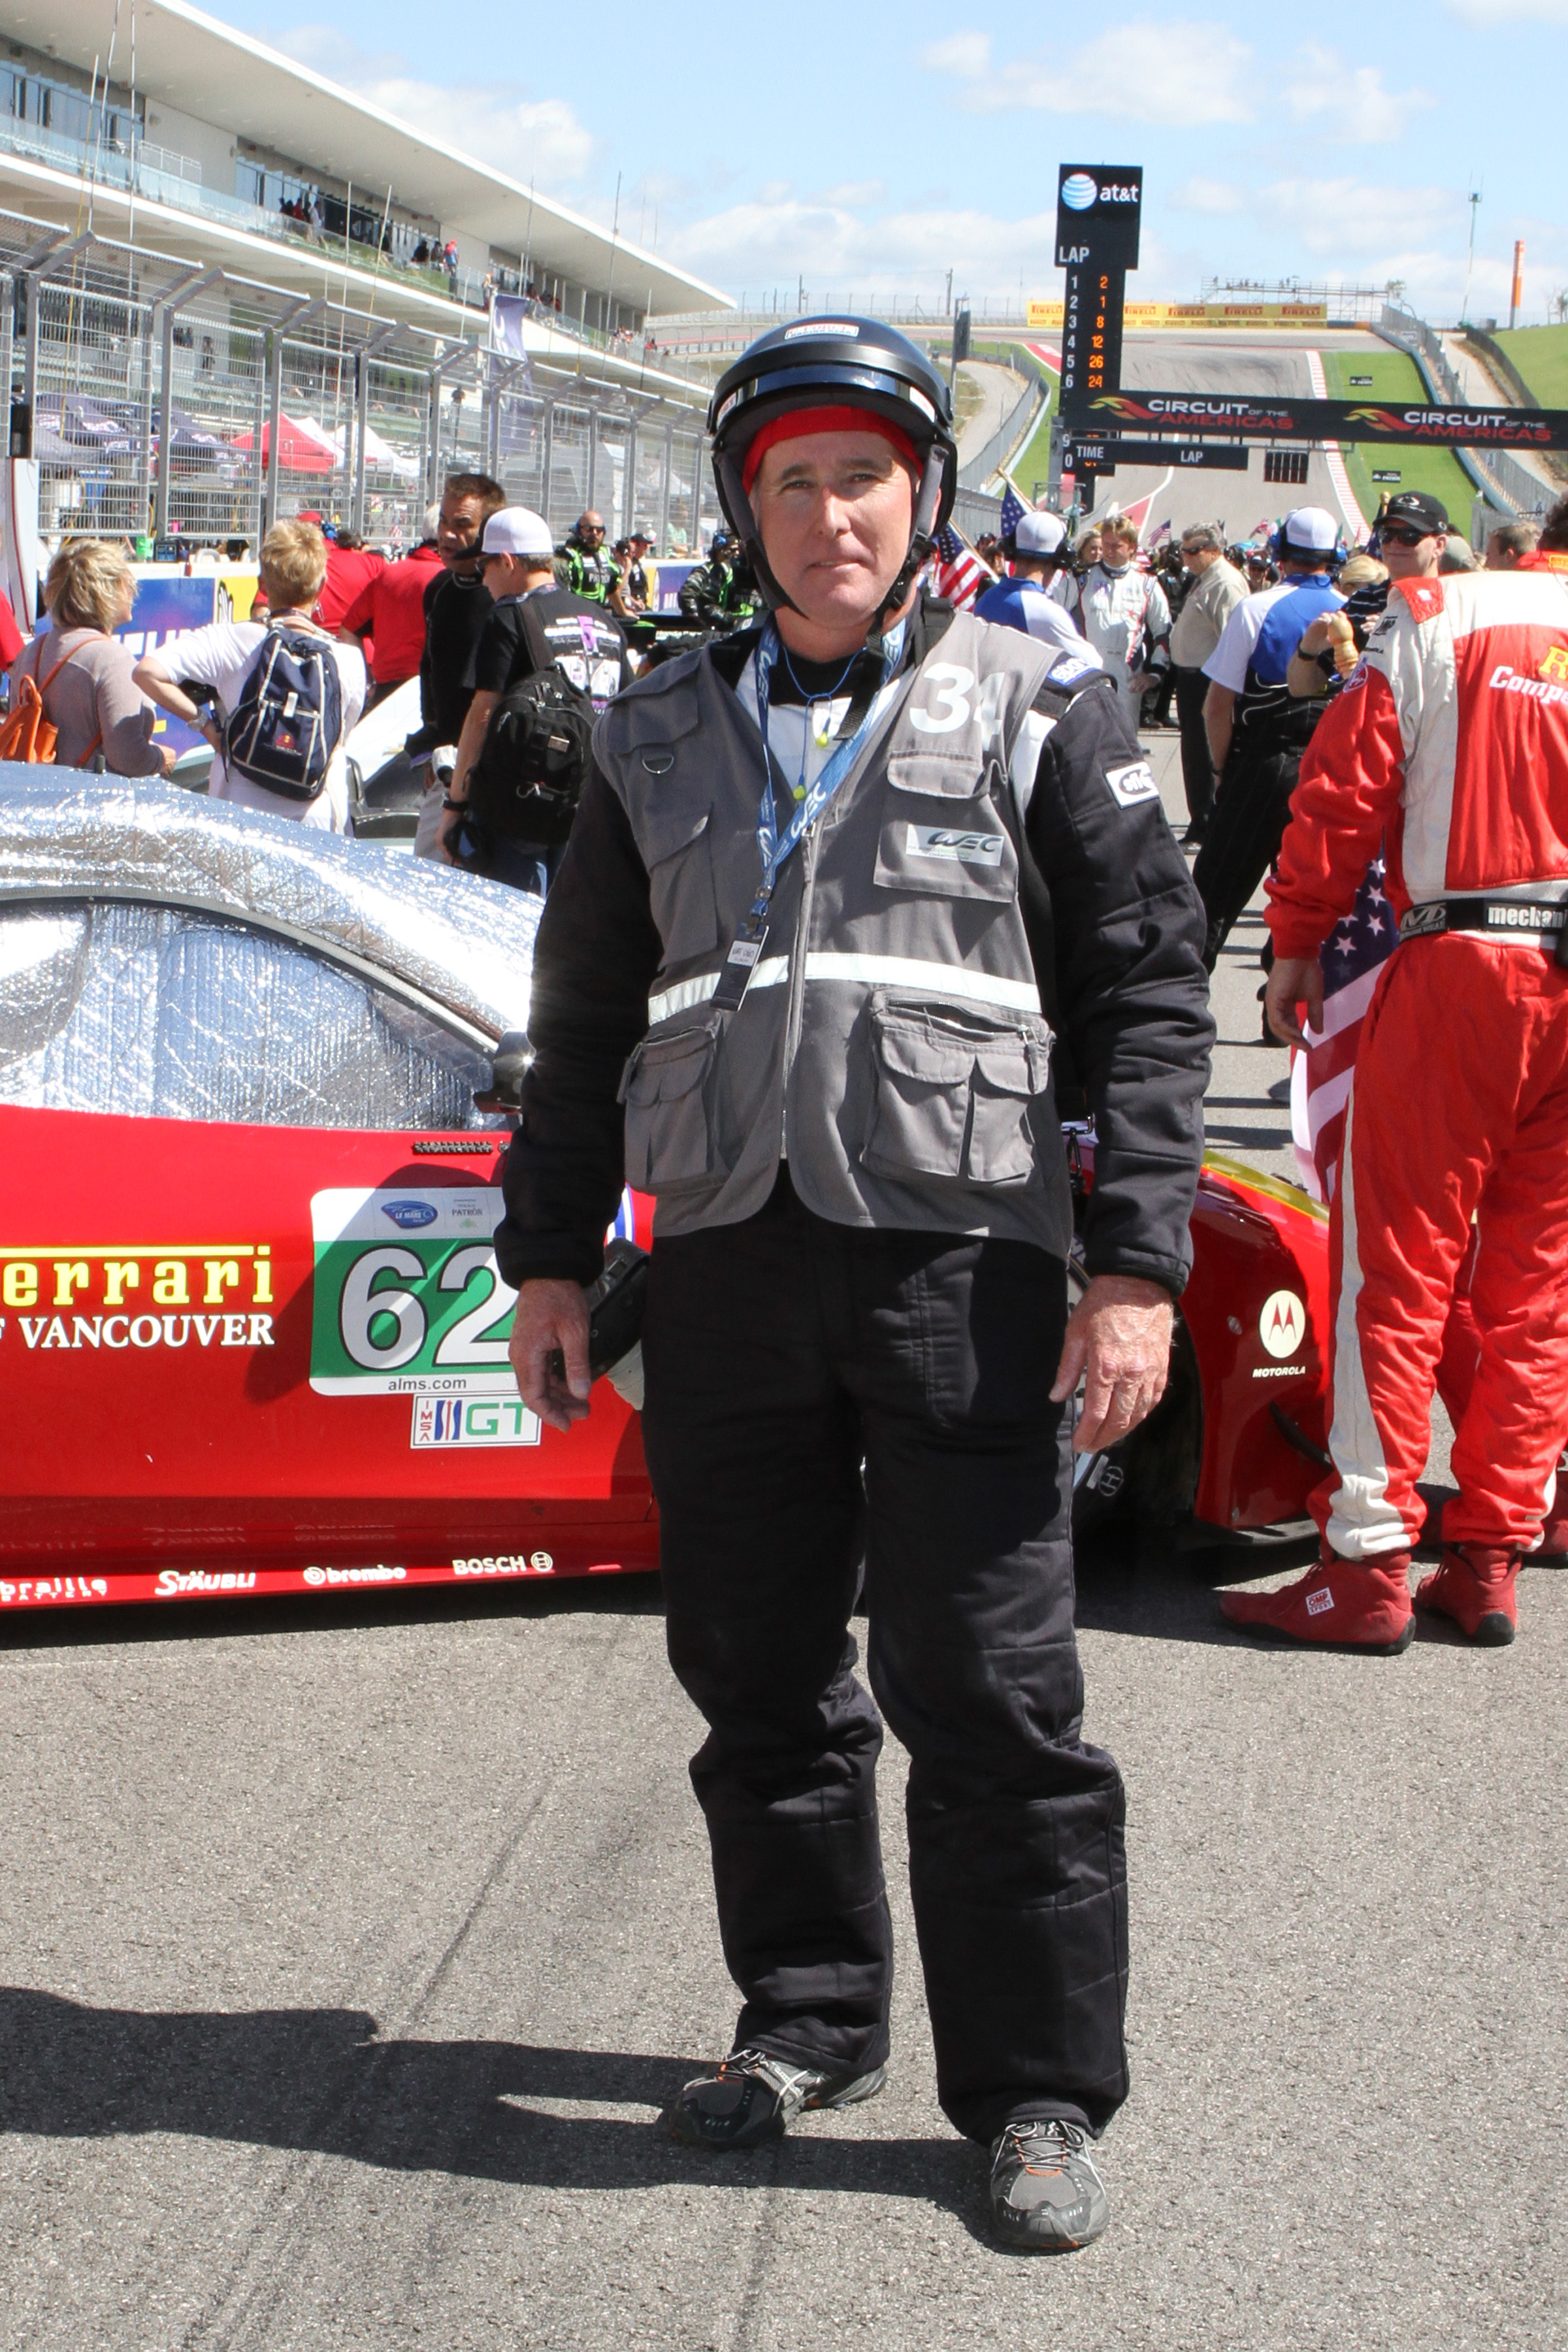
(946, 842)
(1131, 784)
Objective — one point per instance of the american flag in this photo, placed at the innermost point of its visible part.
(1014, 510)
(960, 575)
(1353, 956)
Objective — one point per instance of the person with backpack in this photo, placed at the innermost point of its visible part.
(73, 695)
(287, 695)
(548, 663)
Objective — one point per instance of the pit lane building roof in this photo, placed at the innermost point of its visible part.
(222, 123)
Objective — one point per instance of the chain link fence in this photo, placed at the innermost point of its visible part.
(270, 407)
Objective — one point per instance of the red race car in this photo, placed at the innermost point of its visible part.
(252, 1334)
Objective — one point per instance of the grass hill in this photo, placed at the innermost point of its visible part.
(1395, 377)
(1541, 356)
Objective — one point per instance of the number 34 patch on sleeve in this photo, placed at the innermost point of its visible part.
(1131, 782)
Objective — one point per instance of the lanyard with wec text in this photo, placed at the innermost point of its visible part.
(747, 948)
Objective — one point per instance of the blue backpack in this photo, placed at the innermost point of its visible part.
(286, 724)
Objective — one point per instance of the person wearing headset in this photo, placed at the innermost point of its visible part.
(836, 882)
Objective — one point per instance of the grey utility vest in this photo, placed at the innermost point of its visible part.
(891, 1043)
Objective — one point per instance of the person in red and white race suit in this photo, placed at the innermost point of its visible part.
(1452, 738)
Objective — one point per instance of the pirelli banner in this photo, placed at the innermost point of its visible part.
(1144, 315)
(1194, 414)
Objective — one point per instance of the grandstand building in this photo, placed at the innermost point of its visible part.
(231, 290)
(221, 134)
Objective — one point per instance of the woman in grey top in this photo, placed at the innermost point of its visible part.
(83, 672)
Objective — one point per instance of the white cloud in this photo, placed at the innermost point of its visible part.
(843, 252)
(1208, 197)
(496, 122)
(1190, 73)
(1348, 104)
(1349, 219)
(1504, 12)
(968, 55)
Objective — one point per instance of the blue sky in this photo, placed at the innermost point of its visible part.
(870, 150)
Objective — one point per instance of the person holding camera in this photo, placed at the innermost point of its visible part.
(548, 662)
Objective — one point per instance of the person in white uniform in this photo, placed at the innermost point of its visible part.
(1123, 613)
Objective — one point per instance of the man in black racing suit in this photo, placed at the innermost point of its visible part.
(842, 1101)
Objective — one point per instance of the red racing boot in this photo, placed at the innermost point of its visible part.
(1475, 1587)
(1341, 1604)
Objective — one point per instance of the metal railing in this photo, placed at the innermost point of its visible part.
(169, 402)
(1034, 390)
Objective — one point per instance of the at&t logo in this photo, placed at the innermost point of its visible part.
(1079, 192)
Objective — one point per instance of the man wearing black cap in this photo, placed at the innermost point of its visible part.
(1410, 534)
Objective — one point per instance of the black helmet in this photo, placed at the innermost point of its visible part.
(834, 362)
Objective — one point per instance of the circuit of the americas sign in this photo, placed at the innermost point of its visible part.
(1231, 418)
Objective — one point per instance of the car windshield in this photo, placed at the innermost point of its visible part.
(156, 1012)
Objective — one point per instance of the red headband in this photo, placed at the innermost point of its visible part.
(799, 424)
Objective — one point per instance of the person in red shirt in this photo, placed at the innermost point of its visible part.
(10, 635)
(351, 566)
(387, 619)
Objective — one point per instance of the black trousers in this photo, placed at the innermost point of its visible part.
(1243, 839)
(779, 1354)
(1197, 761)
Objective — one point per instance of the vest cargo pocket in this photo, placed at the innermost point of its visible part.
(953, 1094)
(670, 1137)
(679, 862)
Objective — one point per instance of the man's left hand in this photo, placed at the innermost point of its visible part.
(1118, 1342)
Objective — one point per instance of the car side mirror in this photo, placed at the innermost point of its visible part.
(509, 1066)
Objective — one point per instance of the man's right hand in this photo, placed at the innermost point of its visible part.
(551, 1315)
(1295, 979)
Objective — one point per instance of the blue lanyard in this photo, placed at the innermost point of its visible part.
(775, 847)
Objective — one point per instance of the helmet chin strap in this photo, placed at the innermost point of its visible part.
(777, 597)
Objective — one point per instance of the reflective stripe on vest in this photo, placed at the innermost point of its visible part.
(865, 971)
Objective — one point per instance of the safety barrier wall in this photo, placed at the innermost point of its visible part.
(1503, 482)
(1016, 427)
(104, 346)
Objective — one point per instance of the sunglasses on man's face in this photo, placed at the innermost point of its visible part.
(1394, 535)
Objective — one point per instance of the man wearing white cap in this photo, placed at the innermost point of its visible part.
(1257, 732)
(535, 627)
(1036, 552)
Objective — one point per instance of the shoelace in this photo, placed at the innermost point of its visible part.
(1049, 2135)
(762, 2062)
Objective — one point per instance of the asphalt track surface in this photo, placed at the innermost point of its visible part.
(351, 1948)
(1164, 362)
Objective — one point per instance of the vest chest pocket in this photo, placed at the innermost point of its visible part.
(670, 1133)
(953, 1094)
(959, 851)
(679, 855)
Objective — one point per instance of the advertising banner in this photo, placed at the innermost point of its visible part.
(1267, 419)
(1145, 315)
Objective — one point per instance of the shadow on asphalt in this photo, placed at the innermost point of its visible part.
(318, 2082)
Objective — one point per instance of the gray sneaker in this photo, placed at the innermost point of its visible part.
(754, 2096)
(1046, 2194)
